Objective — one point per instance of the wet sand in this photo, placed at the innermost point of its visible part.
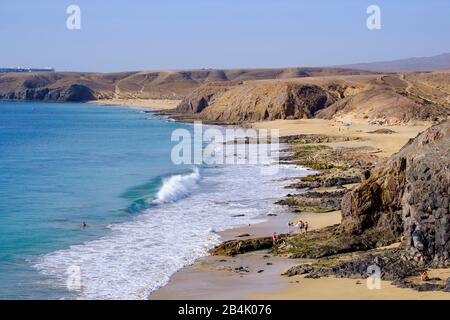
(257, 275)
(217, 277)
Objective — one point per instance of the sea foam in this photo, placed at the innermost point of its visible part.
(139, 256)
(177, 187)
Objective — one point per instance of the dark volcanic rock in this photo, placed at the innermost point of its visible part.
(233, 247)
(326, 182)
(394, 266)
(199, 99)
(73, 93)
(428, 287)
(408, 195)
(447, 285)
(78, 93)
(298, 270)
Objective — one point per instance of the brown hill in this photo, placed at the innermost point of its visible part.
(144, 85)
(260, 100)
(242, 95)
(387, 99)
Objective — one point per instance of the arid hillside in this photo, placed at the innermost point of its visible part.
(76, 86)
(250, 95)
(377, 98)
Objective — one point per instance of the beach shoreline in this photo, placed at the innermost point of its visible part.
(154, 104)
(257, 274)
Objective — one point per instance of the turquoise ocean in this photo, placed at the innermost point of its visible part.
(62, 164)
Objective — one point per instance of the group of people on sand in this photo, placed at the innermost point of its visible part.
(301, 225)
(302, 228)
(342, 124)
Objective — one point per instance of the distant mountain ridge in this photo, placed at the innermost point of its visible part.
(175, 84)
(438, 62)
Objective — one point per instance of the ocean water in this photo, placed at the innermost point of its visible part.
(62, 164)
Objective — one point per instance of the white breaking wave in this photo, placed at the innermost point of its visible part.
(139, 256)
(177, 187)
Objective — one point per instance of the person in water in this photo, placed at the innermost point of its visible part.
(83, 225)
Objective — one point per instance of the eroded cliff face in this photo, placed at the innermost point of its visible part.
(377, 99)
(256, 101)
(72, 93)
(408, 196)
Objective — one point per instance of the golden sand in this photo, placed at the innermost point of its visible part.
(216, 277)
(386, 143)
(157, 104)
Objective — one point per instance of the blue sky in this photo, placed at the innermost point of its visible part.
(118, 35)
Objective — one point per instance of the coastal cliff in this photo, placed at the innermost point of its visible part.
(249, 95)
(377, 99)
(408, 195)
(256, 101)
(394, 212)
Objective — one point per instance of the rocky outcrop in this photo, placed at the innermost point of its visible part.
(73, 93)
(408, 196)
(394, 264)
(77, 93)
(200, 98)
(233, 247)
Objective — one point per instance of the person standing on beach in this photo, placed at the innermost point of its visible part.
(306, 226)
(274, 239)
(300, 226)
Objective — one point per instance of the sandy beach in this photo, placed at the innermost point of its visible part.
(257, 275)
(157, 104)
(385, 144)
(239, 277)
(301, 288)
